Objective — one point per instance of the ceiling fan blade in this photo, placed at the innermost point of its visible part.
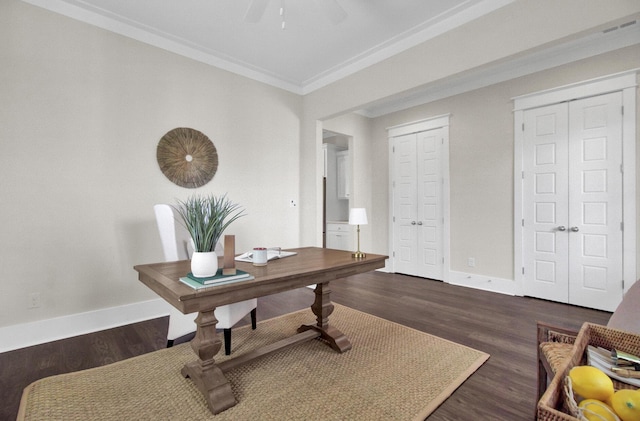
(333, 10)
(255, 11)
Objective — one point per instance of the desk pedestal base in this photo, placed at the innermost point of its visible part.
(204, 372)
(336, 339)
(322, 308)
(213, 385)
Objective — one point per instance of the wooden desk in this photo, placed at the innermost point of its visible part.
(310, 266)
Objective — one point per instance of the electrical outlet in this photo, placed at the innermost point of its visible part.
(34, 300)
(471, 262)
(293, 203)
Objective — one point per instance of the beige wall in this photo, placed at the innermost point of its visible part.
(81, 114)
(481, 159)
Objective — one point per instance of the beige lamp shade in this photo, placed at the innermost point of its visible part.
(187, 157)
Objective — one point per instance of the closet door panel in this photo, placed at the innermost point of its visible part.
(405, 205)
(545, 204)
(429, 217)
(595, 201)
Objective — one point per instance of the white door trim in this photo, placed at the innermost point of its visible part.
(437, 122)
(625, 82)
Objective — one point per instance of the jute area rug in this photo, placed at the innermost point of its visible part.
(393, 373)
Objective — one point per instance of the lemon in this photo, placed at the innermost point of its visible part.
(626, 403)
(591, 383)
(594, 410)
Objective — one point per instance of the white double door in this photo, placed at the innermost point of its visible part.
(417, 204)
(572, 202)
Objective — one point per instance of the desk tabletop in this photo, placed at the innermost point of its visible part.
(310, 265)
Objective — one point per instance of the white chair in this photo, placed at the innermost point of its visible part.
(177, 245)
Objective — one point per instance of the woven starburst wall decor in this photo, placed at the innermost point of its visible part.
(187, 157)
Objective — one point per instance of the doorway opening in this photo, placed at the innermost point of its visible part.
(336, 191)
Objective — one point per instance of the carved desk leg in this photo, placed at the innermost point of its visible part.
(204, 372)
(322, 308)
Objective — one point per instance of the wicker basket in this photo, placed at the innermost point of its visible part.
(556, 404)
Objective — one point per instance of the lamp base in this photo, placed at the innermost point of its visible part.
(358, 255)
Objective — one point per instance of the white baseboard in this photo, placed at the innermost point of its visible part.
(42, 331)
(486, 283)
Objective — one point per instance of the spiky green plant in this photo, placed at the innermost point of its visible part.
(206, 218)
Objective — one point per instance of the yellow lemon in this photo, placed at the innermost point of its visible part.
(591, 383)
(626, 403)
(594, 410)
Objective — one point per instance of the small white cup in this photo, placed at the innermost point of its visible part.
(259, 256)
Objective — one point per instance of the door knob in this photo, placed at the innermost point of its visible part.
(413, 222)
(419, 222)
(562, 228)
(575, 229)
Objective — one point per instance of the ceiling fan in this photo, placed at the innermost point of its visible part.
(331, 8)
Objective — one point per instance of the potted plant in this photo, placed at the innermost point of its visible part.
(206, 218)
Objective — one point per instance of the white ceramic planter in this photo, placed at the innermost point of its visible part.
(204, 264)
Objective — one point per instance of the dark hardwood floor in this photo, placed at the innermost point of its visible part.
(504, 388)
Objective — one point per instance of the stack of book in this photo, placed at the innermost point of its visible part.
(217, 279)
(616, 364)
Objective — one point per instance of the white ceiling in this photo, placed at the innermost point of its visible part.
(312, 51)
(317, 48)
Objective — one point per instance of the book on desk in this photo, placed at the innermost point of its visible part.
(217, 279)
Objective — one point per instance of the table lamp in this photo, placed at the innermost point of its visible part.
(358, 216)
